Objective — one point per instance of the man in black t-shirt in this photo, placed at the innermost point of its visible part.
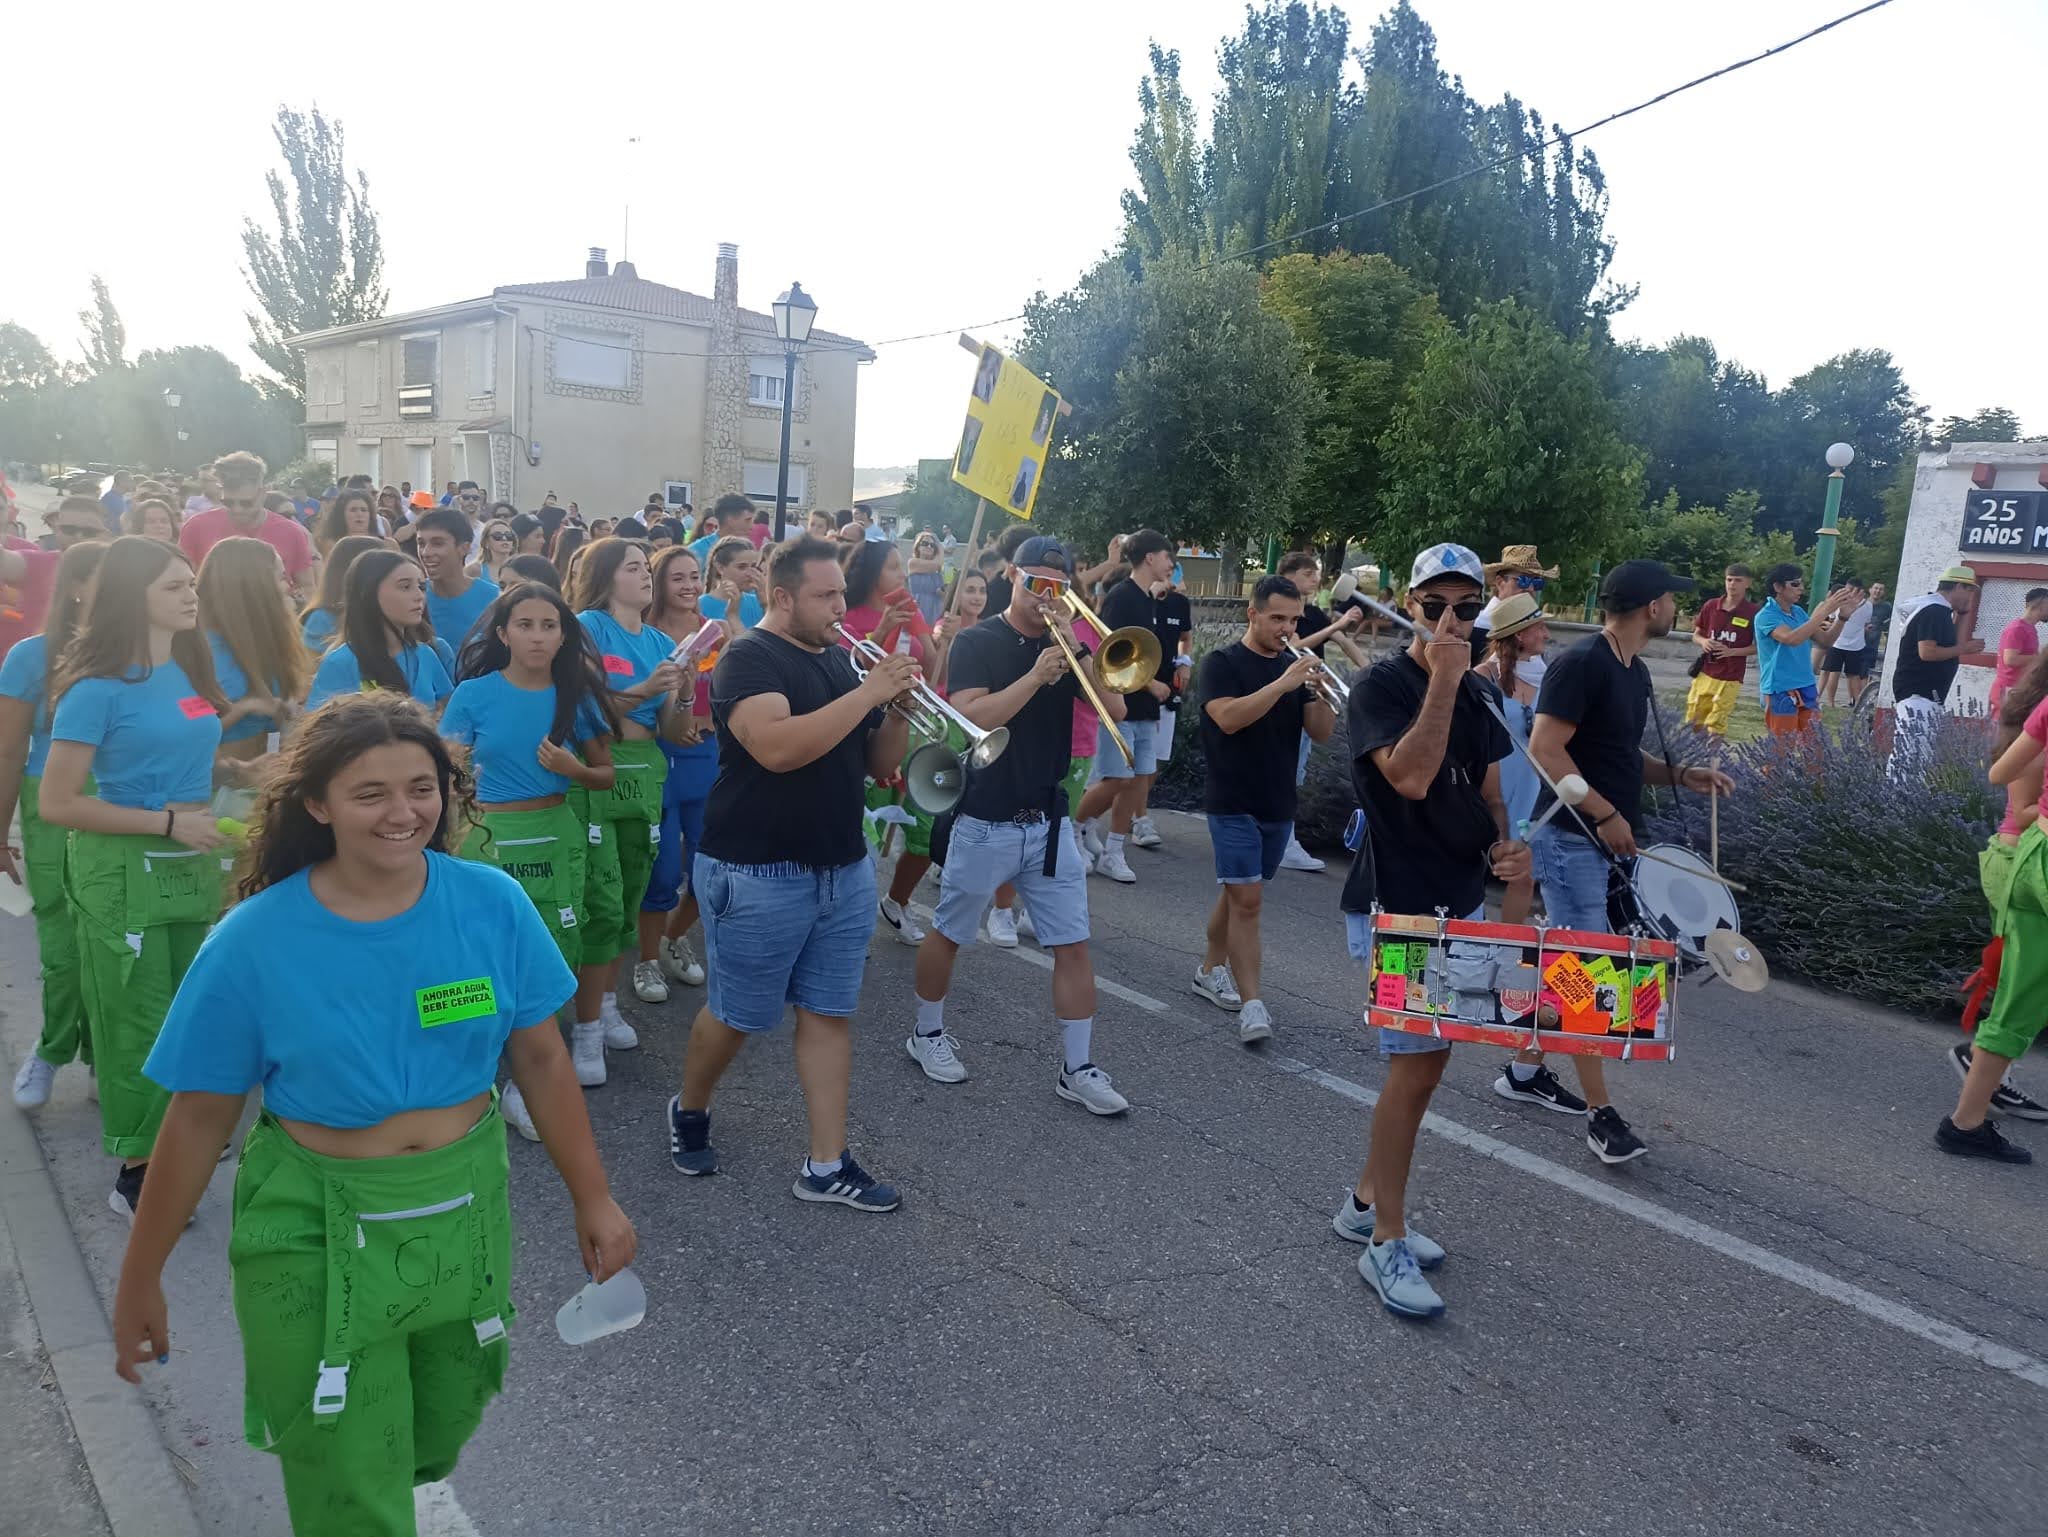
(1426, 751)
(1315, 633)
(1925, 665)
(1010, 826)
(1256, 705)
(1176, 631)
(999, 583)
(1122, 790)
(1589, 721)
(784, 884)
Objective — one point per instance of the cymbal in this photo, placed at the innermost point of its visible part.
(1736, 961)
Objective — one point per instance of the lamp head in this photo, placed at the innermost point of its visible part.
(794, 312)
(1840, 456)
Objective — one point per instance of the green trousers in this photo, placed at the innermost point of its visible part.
(544, 852)
(630, 816)
(44, 854)
(2020, 1006)
(143, 907)
(373, 1296)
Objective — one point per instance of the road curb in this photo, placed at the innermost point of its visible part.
(139, 1489)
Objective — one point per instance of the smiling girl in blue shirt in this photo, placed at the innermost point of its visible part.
(258, 659)
(532, 690)
(385, 637)
(368, 983)
(137, 715)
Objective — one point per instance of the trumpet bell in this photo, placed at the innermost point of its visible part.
(989, 748)
(1129, 659)
(934, 778)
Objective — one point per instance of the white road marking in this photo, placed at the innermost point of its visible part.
(438, 1514)
(2029, 1369)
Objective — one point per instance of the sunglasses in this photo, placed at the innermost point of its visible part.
(1529, 583)
(501, 539)
(1045, 586)
(1467, 610)
(80, 530)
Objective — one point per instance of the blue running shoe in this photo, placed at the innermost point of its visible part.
(847, 1185)
(1391, 1270)
(1355, 1226)
(689, 1140)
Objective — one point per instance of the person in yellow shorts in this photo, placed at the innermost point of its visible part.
(1725, 632)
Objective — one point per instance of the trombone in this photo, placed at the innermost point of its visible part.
(1331, 689)
(1127, 659)
(933, 775)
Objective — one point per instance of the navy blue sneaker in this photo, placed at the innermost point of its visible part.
(848, 1185)
(689, 1140)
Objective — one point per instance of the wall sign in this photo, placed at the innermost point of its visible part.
(2004, 523)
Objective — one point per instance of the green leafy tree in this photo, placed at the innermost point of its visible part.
(1859, 398)
(1506, 438)
(1362, 324)
(323, 263)
(31, 382)
(1189, 403)
(932, 498)
(1165, 211)
(106, 338)
(1994, 424)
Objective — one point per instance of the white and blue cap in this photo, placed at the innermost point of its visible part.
(1447, 560)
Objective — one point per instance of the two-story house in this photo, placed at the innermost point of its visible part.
(602, 389)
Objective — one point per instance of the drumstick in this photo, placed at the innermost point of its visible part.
(1718, 879)
(1714, 821)
(1571, 790)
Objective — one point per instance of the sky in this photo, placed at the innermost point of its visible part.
(927, 167)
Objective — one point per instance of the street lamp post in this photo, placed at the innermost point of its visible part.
(1840, 457)
(794, 313)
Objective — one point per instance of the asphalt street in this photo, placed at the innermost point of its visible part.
(1794, 1314)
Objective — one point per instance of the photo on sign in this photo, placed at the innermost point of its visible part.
(1020, 489)
(970, 439)
(986, 374)
(1048, 408)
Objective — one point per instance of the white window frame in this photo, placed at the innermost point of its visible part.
(405, 378)
(413, 450)
(370, 459)
(326, 378)
(326, 450)
(766, 371)
(799, 481)
(594, 359)
(372, 394)
(483, 360)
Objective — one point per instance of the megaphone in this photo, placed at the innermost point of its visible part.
(933, 779)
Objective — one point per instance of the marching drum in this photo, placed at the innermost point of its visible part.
(1673, 894)
(1508, 984)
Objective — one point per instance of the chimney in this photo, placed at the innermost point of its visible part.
(725, 282)
(595, 267)
(627, 270)
(725, 379)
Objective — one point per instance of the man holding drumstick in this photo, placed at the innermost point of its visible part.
(1589, 721)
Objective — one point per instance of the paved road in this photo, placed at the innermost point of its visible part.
(1146, 1326)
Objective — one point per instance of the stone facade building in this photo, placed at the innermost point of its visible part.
(602, 389)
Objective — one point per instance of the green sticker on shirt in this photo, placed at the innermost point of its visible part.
(452, 1001)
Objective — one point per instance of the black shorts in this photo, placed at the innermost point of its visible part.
(1855, 663)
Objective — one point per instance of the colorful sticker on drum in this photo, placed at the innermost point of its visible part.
(1569, 979)
(1393, 960)
(1418, 959)
(1390, 991)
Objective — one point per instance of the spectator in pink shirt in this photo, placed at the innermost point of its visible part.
(27, 571)
(2018, 643)
(242, 513)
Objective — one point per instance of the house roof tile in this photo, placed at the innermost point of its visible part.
(637, 296)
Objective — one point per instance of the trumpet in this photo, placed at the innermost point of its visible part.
(934, 775)
(1331, 689)
(1126, 659)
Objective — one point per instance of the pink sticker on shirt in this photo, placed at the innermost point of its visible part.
(618, 666)
(196, 708)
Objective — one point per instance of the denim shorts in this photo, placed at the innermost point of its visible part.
(1143, 735)
(984, 855)
(1358, 940)
(1573, 875)
(777, 935)
(1247, 850)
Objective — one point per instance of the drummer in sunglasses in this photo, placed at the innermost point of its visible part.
(1589, 721)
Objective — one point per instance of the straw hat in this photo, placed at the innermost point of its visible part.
(1515, 614)
(1521, 560)
(1957, 574)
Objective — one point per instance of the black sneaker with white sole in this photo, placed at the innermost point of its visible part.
(1983, 1140)
(689, 1139)
(1543, 1089)
(127, 1192)
(1608, 1135)
(2008, 1098)
(847, 1185)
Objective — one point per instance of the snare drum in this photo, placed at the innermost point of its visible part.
(1672, 896)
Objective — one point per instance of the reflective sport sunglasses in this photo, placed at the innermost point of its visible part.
(1467, 610)
(1045, 586)
(1529, 583)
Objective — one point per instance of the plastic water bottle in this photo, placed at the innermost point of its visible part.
(15, 901)
(610, 1307)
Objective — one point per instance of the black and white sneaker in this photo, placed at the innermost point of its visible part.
(1608, 1135)
(127, 1191)
(2008, 1098)
(1981, 1141)
(689, 1139)
(847, 1185)
(1543, 1089)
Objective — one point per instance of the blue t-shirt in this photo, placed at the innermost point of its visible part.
(234, 683)
(628, 659)
(22, 677)
(1780, 667)
(750, 609)
(502, 726)
(701, 547)
(426, 677)
(452, 617)
(346, 1024)
(153, 736)
(317, 629)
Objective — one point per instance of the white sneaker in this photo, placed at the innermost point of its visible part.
(512, 1106)
(681, 963)
(586, 1052)
(1218, 986)
(1113, 864)
(1089, 1086)
(1299, 858)
(1144, 834)
(1024, 924)
(648, 985)
(905, 926)
(32, 1083)
(938, 1055)
(618, 1035)
(1091, 838)
(1253, 1022)
(1002, 927)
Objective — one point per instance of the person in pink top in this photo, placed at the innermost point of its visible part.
(242, 514)
(2018, 643)
(27, 571)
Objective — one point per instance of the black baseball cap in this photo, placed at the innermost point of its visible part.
(1043, 552)
(1637, 584)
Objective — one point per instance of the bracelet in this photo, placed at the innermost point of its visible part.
(1612, 812)
(170, 824)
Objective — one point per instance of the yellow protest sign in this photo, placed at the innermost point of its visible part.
(1007, 434)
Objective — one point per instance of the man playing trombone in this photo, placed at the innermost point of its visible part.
(1017, 670)
(1258, 695)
